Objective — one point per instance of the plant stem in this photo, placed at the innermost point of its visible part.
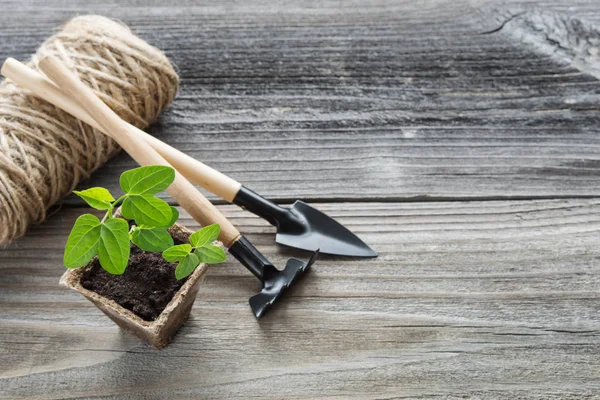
(109, 213)
(120, 199)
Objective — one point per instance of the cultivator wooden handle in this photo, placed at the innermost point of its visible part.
(181, 189)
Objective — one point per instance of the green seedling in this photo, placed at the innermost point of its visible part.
(199, 250)
(109, 237)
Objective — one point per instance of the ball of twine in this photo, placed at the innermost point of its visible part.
(45, 152)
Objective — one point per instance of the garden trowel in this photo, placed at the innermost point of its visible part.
(300, 226)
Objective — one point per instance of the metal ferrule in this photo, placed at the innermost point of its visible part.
(251, 258)
(262, 207)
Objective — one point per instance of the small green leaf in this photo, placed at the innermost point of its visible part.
(151, 239)
(147, 180)
(205, 236)
(177, 253)
(97, 197)
(186, 266)
(83, 241)
(210, 254)
(147, 210)
(114, 249)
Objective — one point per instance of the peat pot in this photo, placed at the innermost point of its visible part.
(160, 331)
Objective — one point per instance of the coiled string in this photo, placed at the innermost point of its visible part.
(45, 152)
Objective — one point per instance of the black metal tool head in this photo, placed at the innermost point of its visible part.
(304, 227)
(274, 282)
(310, 229)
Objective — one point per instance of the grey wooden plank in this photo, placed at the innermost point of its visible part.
(495, 299)
(387, 100)
(376, 100)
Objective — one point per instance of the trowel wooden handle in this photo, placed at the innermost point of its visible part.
(181, 190)
(194, 170)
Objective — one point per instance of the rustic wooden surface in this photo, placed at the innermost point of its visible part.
(459, 138)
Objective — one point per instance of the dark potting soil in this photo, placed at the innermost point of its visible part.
(147, 285)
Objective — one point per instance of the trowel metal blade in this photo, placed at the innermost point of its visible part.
(320, 231)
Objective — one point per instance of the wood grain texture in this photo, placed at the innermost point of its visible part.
(444, 99)
(483, 299)
(366, 108)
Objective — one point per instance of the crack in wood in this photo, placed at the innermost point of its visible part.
(564, 37)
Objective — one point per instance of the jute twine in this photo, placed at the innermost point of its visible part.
(45, 152)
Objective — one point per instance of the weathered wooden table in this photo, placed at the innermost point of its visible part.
(460, 139)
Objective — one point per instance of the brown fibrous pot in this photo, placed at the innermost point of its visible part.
(160, 331)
